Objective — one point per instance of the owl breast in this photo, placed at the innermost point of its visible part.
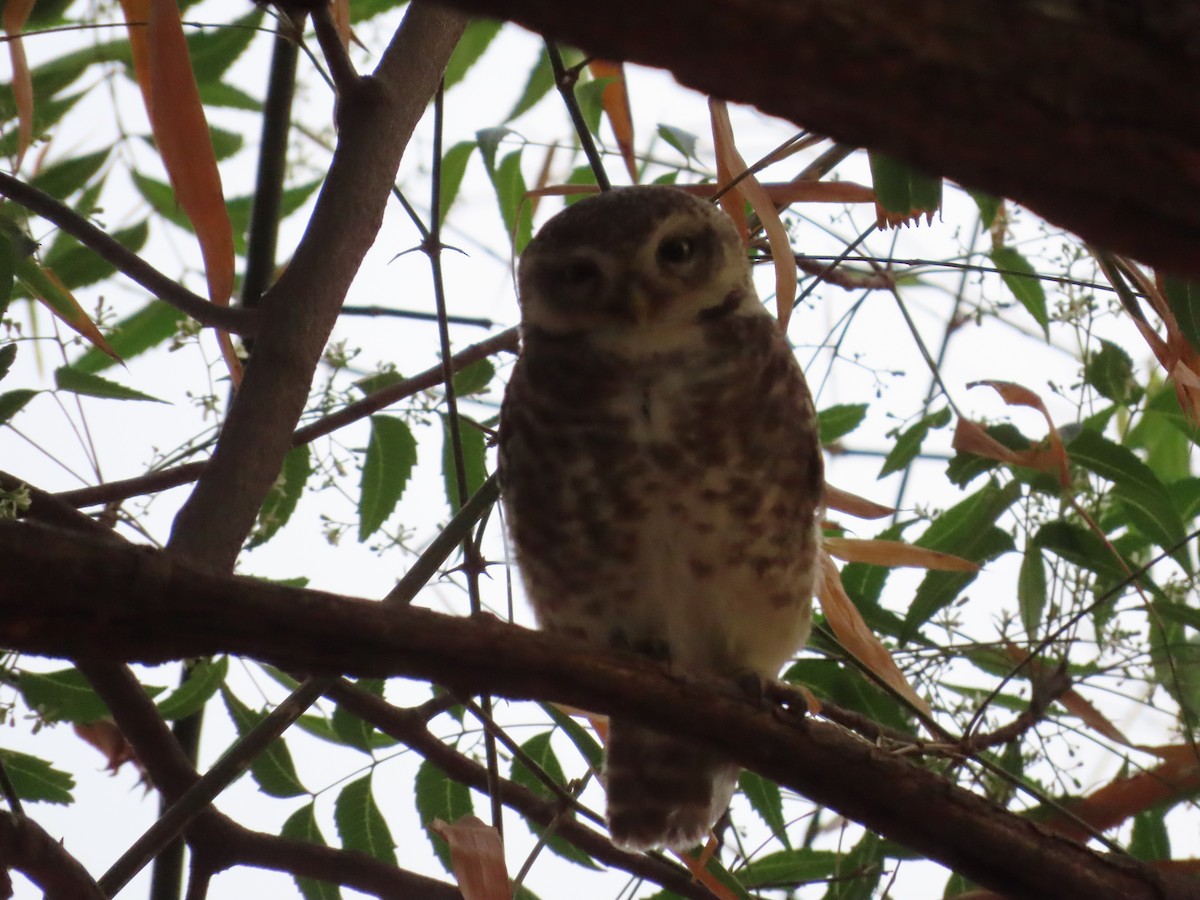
(662, 498)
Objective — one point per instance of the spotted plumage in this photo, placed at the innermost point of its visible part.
(660, 472)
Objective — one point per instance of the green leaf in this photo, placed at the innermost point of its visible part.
(285, 493)
(790, 868)
(861, 870)
(204, 680)
(901, 189)
(540, 81)
(1144, 498)
(391, 455)
(454, 167)
(35, 779)
(766, 800)
(8, 267)
(1031, 589)
(683, 141)
(988, 207)
(302, 826)
(908, 443)
(509, 185)
(1150, 839)
(12, 402)
(968, 530)
(838, 421)
(846, 687)
(225, 143)
(1080, 547)
(45, 116)
(8, 353)
(474, 378)
(213, 51)
(590, 96)
(218, 93)
(474, 454)
(362, 10)
(1110, 371)
(69, 379)
(273, 771)
(587, 745)
(1183, 297)
(360, 824)
(351, 729)
(62, 696)
(150, 326)
(76, 266)
(64, 178)
(1021, 278)
(477, 37)
(439, 797)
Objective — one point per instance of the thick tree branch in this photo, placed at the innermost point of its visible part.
(70, 595)
(1083, 111)
(26, 847)
(375, 120)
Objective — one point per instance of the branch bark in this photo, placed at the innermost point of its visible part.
(1083, 111)
(74, 596)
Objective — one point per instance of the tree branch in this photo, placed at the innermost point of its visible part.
(238, 321)
(1082, 111)
(26, 847)
(376, 119)
(70, 595)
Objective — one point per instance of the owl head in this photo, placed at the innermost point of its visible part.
(633, 258)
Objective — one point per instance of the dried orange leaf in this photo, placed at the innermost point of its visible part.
(1053, 459)
(784, 194)
(730, 165)
(107, 738)
(857, 638)
(137, 17)
(894, 554)
(341, 19)
(616, 106)
(477, 856)
(854, 505)
(15, 14)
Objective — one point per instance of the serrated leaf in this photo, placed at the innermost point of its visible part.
(683, 141)
(540, 752)
(302, 826)
(285, 493)
(788, 868)
(830, 680)
(35, 779)
(62, 696)
(273, 771)
(1110, 371)
(1031, 590)
(69, 379)
(8, 353)
(214, 50)
(509, 185)
(590, 95)
(837, 421)
(439, 797)
(153, 324)
(43, 284)
(204, 680)
(908, 442)
(218, 93)
(541, 80)
(901, 192)
(391, 455)
(1150, 840)
(968, 530)
(587, 745)
(988, 206)
(765, 799)
(474, 378)
(1081, 547)
(64, 178)
(76, 266)
(861, 870)
(1022, 280)
(360, 824)
(45, 116)
(1144, 498)
(12, 402)
(351, 729)
(477, 37)
(474, 453)
(454, 167)
(1183, 297)
(226, 143)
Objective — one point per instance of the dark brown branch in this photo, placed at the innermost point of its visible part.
(26, 847)
(1083, 111)
(238, 321)
(376, 119)
(69, 595)
(168, 478)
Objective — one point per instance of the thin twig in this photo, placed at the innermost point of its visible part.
(565, 80)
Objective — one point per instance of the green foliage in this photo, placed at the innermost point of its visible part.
(35, 780)
(440, 797)
(360, 824)
(1022, 279)
(302, 826)
(273, 771)
(70, 379)
(391, 455)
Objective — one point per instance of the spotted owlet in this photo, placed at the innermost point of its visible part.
(660, 473)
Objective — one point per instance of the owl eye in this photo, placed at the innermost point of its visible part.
(676, 250)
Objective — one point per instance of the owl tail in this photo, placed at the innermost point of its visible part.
(663, 791)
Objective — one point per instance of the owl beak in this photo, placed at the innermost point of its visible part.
(636, 300)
